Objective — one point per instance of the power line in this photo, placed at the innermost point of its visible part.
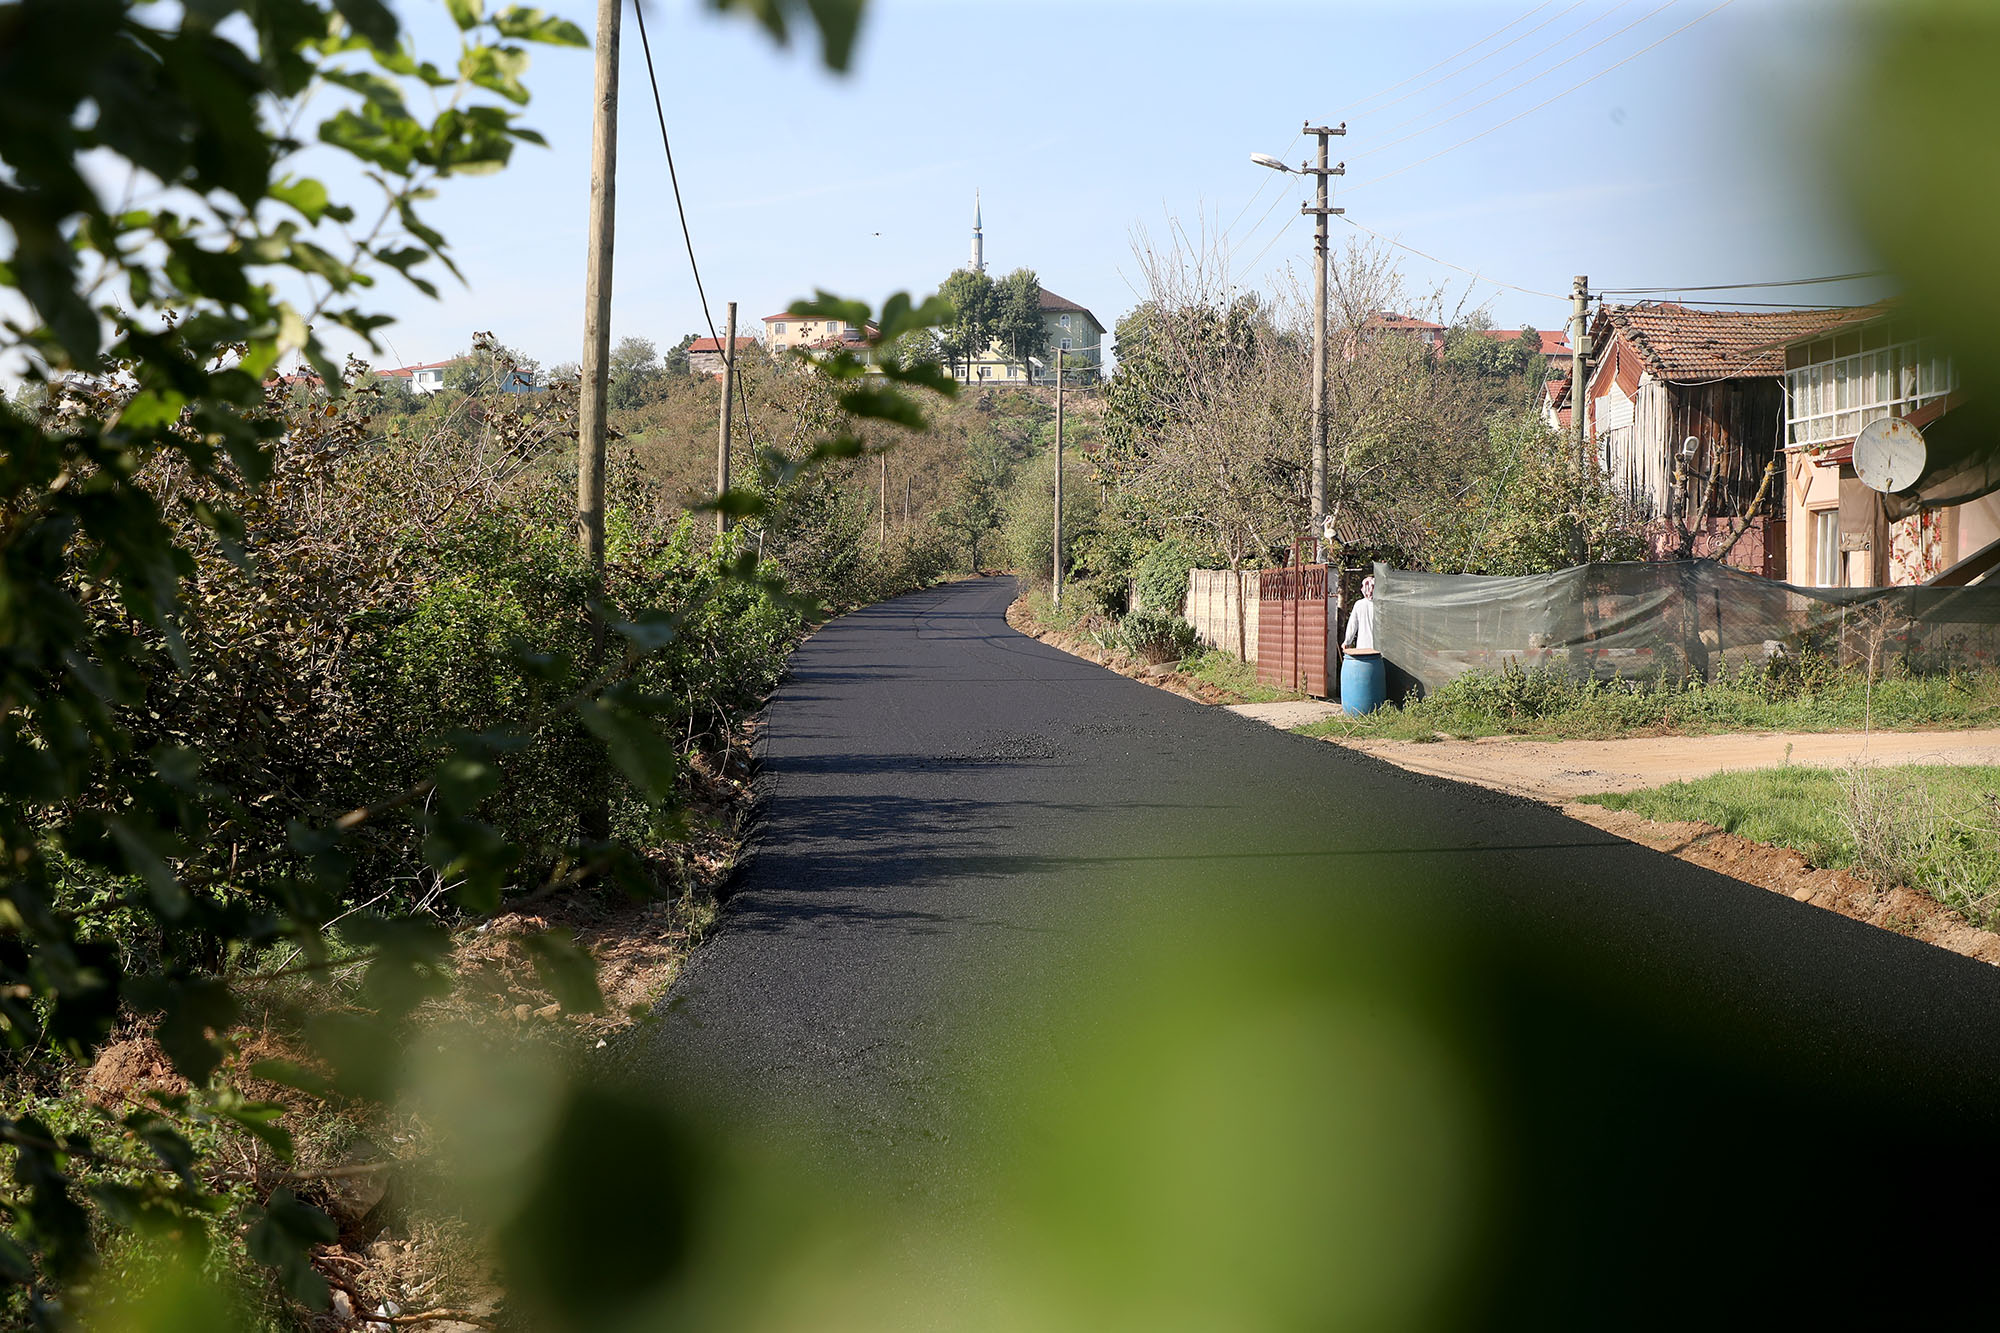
(1355, 107)
(1534, 78)
(1745, 286)
(1471, 273)
(659, 109)
(1258, 193)
(1376, 180)
(1489, 55)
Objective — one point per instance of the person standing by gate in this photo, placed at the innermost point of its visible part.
(1361, 620)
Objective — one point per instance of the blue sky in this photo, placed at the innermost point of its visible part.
(1083, 120)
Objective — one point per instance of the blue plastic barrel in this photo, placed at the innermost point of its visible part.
(1364, 683)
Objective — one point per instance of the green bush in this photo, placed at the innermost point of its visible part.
(1162, 577)
(1154, 637)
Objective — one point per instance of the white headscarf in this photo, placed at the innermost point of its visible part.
(1368, 586)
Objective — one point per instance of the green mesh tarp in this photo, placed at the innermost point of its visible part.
(1668, 620)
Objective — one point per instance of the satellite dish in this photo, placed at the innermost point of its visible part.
(1889, 454)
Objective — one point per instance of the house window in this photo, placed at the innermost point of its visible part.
(1826, 546)
(779, 328)
(1013, 372)
(833, 326)
(1844, 383)
(1063, 320)
(1065, 344)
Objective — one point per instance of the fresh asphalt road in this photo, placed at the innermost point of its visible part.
(1691, 1071)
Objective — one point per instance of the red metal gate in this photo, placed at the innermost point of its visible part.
(1294, 629)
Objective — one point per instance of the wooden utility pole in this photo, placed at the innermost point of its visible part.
(1320, 213)
(594, 812)
(597, 292)
(1579, 354)
(1056, 577)
(728, 404)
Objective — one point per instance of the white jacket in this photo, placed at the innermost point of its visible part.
(1361, 626)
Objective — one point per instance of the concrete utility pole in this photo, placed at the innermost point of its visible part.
(1320, 213)
(597, 292)
(728, 404)
(1579, 355)
(1057, 565)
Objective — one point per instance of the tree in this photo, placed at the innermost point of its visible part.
(634, 373)
(677, 356)
(974, 304)
(1017, 319)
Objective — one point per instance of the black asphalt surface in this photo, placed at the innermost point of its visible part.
(1697, 1086)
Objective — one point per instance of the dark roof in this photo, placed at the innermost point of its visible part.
(1676, 342)
(1050, 301)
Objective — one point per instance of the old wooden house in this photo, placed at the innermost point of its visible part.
(1686, 411)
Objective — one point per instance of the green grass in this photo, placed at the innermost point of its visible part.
(1555, 706)
(1234, 677)
(1938, 827)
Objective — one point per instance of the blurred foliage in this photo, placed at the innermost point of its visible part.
(293, 671)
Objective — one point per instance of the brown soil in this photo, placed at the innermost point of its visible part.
(1160, 675)
(1782, 870)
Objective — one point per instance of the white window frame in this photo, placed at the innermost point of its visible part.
(778, 329)
(1833, 397)
(1063, 320)
(1827, 564)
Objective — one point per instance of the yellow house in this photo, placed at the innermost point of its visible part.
(785, 331)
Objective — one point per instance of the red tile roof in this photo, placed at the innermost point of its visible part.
(1554, 341)
(1675, 342)
(405, 372)
(715, 344)
(1389, 319)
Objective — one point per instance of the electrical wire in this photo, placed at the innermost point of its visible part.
(1355, 107)
(666, 142)
(1525, 61)
(1534, 78)
(1583, 83)
(1471, 273)
(1745, 286)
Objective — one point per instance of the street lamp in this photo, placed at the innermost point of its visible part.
(1320, 212)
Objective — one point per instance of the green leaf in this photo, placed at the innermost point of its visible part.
(306, 195)
(646, 758)
(466, 13)
(146, 849)
(282, 1238)
(532, 25)
(825, 305)
(498, 68)
(651, 631)
(14, 1263)
(372, 20)
(838, 22)
(567, 971)
(464, 780)
(290, 1074)
(193, 1010)
(877, 403)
